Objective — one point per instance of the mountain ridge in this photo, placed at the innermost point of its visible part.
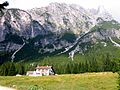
(57, 28)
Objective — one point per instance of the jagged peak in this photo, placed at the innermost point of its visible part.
(101, 9)
(55, 5)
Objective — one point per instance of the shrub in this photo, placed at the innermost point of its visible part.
(35, 87)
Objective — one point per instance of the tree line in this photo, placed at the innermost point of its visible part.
(11, 69)
(90, 62)
(87, 66)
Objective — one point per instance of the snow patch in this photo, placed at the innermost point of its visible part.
(104, 44)
(115, 43)
(13, 55)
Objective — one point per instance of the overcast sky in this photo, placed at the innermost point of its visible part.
(113, 6)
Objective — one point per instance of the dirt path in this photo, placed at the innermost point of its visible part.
(5, 88)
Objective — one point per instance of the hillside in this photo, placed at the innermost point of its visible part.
(60, 35)
(57, 28)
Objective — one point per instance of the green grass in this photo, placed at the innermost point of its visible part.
(106, 25)
(87, 81)
(109, 25)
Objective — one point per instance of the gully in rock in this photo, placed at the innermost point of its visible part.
(115, 43)
(13, 55)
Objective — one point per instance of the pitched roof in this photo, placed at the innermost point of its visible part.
(43, 67)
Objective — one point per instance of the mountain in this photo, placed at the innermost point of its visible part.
(56, 29)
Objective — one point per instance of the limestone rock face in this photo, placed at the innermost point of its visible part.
(59, 18)
(15, 21)
(54, 27)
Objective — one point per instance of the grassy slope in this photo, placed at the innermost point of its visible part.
(87, 81)
(97, 50)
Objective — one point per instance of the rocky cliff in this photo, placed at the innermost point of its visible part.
(59, 28)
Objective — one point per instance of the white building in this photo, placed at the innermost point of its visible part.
(41, 71)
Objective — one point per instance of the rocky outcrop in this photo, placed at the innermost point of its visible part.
(62, 17)
(55, 27)
(15, 21)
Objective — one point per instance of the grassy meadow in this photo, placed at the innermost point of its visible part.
(86, 81)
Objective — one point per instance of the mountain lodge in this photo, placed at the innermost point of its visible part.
(41, 71)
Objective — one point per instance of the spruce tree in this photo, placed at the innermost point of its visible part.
(11, 69)
(20, 69)
(3, 70)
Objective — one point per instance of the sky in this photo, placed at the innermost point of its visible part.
(112, 6)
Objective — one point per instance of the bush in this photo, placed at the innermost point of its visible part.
(35, 87)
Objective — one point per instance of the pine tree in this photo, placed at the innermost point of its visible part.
(19, 69)
(3, 70)
(68, 69)
(11, 70)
